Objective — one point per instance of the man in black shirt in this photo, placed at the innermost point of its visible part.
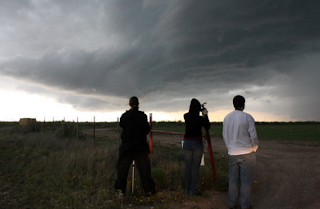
(134, 146)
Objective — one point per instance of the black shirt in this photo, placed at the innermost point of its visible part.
(194, 123)
(135, 127)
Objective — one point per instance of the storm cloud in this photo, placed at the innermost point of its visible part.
(94, 55)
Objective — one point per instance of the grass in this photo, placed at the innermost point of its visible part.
(49, 170)
(41, 170)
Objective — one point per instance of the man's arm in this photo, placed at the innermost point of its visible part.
(146, 125)
(252, 132)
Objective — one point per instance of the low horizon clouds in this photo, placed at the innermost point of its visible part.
(94, 55)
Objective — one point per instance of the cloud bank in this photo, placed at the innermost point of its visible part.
(94, 55)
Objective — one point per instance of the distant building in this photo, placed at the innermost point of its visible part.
(27, 121)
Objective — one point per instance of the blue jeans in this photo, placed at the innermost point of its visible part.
(241, 170)
(192, 153)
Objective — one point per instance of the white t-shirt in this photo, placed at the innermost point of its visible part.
(239, 133)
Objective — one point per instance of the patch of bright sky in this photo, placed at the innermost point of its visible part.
(16, 105)
(218, 116)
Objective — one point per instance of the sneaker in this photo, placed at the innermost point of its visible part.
(250, 207)
(232, 207)
(196, 193)
(119, 194)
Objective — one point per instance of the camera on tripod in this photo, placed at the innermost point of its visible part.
(203, 106)
(204, 109)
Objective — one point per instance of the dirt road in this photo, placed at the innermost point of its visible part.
(287, 176)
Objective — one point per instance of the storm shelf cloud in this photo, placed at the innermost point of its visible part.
(94, 55)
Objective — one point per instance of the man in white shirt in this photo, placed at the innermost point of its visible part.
(240, 136)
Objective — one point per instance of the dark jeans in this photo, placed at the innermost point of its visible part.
(192, 152)
(142, 162)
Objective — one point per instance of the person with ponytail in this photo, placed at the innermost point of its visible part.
(193, 145)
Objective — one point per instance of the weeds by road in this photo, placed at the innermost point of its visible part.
(40, 170)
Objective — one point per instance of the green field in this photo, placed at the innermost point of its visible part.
(281, 131)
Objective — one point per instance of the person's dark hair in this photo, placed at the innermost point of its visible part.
(134, 102)
(195, 106)
(238, 102)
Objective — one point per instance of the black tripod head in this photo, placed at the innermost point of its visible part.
(203, 106)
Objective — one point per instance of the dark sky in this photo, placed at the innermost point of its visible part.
(96, 54)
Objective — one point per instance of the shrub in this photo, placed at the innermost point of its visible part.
(69, 130)
(32, 127)
(160, 178)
